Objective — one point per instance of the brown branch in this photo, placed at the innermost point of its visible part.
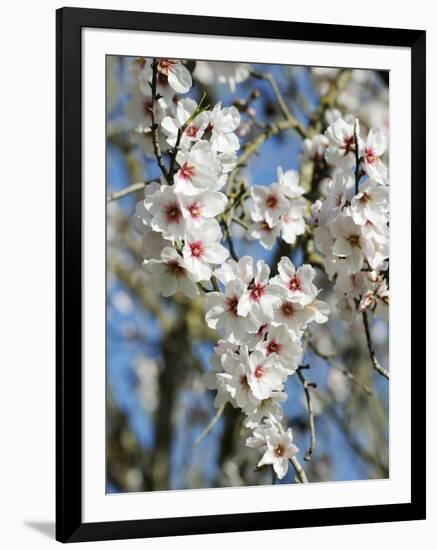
(349, 375)
(376, 364)
(306, 387)
(300, 472)
(211, 424)
(155, 125)
(134, 188)
(278, 96)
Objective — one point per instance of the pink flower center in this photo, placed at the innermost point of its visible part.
(172, 212)
(243, 381)
(195, 210)
(164, 65)
(354, 240)
(294, 284)
(256, 291)
(273, 347)
(186, 172)
(348, 144)
(175, 268)
(231, 305)
(197, 249)
(279, 450)
(191, 130)
(370, 155)
(271, 201)
(259, 372)
(287, 309)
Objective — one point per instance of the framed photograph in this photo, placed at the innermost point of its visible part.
(240, 252)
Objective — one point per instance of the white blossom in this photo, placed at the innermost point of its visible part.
(202, 249)
(170, 274)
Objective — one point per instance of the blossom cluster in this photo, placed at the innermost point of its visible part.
(278, 210)
(262, 319)
(351, 224)
(177, 219)
(262, 316)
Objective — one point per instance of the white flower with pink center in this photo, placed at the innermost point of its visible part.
(371, 153)
(204, 205)
(266, 375)
(293, 315)
(202, 249)
(222, 313)
(235, 379)
(259, 297)
(194, 129)
(341, 149)
(279, 449)
(350, 244)
(370, 204)
(282, 343)
(297, 283)
(266, 235)
(222, 123)
(170, 274)
(268, 204)
(199, 170)
(166, 210)
(177, 75)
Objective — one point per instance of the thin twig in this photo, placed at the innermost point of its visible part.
(376, 364)
(349, 375)
(230, 242)
(300, 472)
(240, 222)
(155, 125)
(306, 387)
(134, 188)
(357, 157)
(211, 424)
(276, 92)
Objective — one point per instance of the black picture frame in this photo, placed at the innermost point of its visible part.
(69, 24)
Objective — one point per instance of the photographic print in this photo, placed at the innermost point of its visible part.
(247, 274)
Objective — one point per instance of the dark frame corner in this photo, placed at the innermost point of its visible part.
(69, 24)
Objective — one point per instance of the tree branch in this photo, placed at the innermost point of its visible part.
(306, 387)
(155, 125)
(349, 375)
(134, 188)
(376, 364)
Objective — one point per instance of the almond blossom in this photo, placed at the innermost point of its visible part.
(199, 170)
(259, 297)
(296, 284)
(170, 274)
(222, 124)
(265, 375)
(372, 151)
(222, 313)
(284, 346)
(279, 448)
(194, 125)
(202, 249)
